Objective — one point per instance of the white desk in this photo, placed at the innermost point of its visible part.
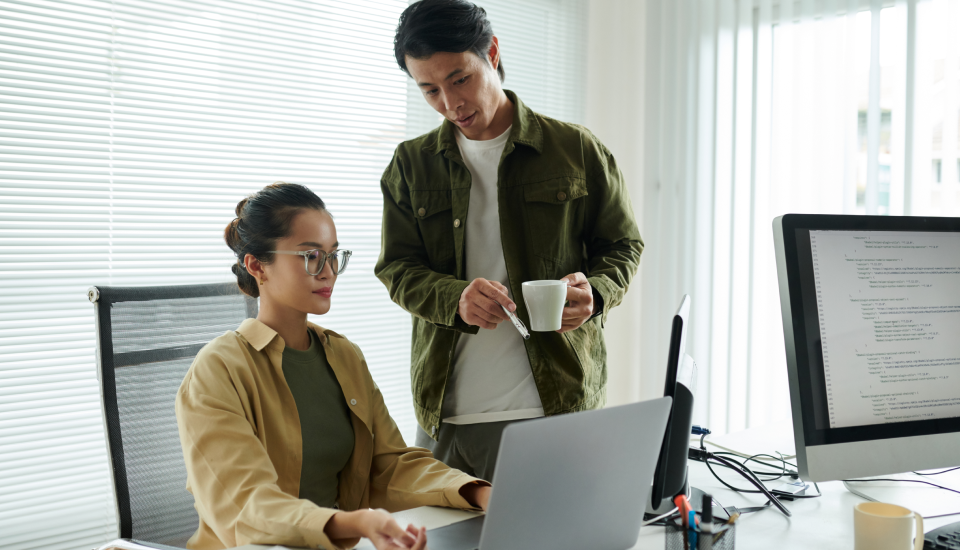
(821, 523)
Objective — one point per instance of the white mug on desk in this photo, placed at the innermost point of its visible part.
(881, 526)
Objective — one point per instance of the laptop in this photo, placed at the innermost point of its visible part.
(578, 480)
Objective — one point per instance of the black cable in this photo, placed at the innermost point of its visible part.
(783, 467)
(902, 481)
(934, 473)
(773, 475)
(721, 480)
(752, 476)
(776, 475)
(720, 459)
(748, 475)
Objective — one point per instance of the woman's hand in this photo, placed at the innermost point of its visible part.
(476, 494)
(378, 526)
(384, 532)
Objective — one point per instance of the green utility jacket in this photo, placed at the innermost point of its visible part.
(563, 208)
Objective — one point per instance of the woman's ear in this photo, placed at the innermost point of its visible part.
(254, 267)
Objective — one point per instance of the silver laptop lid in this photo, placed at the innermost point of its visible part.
(575, 481)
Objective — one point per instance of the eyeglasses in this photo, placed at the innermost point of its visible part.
(313, 260)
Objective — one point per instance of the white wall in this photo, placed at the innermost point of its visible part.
(615, 113)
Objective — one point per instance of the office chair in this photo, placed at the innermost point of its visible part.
(147, 338)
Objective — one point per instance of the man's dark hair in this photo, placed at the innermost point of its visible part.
(430, 26)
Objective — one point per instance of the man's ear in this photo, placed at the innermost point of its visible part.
(493, 55)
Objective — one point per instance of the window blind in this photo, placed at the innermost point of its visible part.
(130, 129)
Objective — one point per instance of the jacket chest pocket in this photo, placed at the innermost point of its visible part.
(554, 212)
(433, 211)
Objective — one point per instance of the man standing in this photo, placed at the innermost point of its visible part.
(495, 196)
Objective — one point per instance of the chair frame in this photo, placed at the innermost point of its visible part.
(103, 298)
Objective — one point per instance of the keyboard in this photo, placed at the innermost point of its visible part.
(943, 538)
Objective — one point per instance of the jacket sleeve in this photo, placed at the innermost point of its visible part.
(403, 477)
(229, 472)
(612, 240)
(403, 267)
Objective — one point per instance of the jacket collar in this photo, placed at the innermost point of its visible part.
(260, 335)
(341, 359)
(526, 130)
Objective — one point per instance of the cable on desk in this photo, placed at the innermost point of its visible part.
(937, 473)
(659, 518)
(901, 481)
(748, 475)
(726, 460)
(784, 472)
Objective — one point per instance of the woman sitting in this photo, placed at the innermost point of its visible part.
(285, 434)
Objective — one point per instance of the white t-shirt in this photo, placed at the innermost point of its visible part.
(491, 379)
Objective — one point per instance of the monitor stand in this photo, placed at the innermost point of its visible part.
(694, 495)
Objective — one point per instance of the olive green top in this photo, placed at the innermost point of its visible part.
(564, 208)
(325, 424)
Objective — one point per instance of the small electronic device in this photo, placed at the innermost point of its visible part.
(871, 318)
(789, 489)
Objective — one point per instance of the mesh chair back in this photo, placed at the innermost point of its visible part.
(147, 338)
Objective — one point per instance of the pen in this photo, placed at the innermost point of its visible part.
(684, 507)
(706, 513)
(516, 322)
(693, 529)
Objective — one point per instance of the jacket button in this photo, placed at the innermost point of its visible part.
(456, 222)
(353, 401)
(561, 196)
(433, 430)
(422, 212)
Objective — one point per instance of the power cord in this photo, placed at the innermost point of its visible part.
(902, 481)
(937, 473)
(660, 519)
(726, 460)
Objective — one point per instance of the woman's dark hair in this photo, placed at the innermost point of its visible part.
(432, 26)
(262, 218)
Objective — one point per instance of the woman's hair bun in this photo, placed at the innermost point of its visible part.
(240, 205)
(246, 282)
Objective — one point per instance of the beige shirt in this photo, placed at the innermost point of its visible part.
(241, 440)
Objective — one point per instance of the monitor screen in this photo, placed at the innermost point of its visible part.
(875, 305)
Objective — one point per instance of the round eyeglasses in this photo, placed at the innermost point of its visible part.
(313, 260)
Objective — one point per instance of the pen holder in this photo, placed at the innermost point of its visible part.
(678, 538)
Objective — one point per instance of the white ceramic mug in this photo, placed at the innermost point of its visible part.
(881, 526)
(544, 300)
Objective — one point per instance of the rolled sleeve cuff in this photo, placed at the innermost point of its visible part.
(313, 527)
(452, 492)
(450, 291)
(598, 303)
(607, 291)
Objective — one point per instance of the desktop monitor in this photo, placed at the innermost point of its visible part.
(871, 323)
(670, 477)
